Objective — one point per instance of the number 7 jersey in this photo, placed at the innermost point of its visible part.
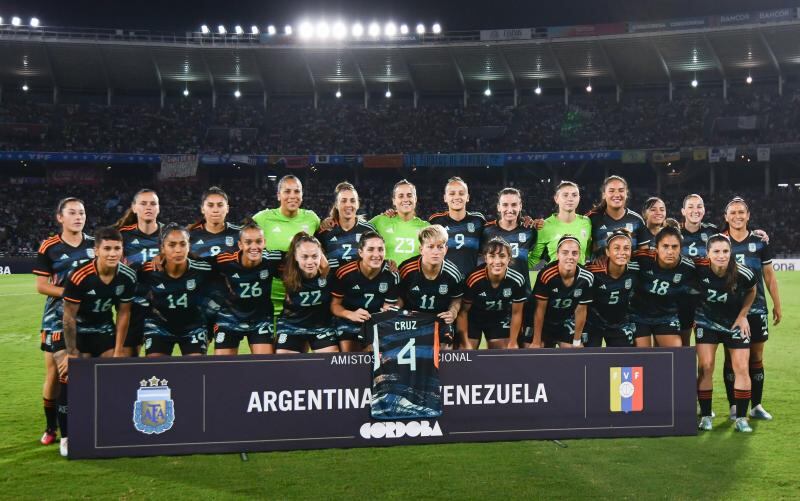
(405, 369)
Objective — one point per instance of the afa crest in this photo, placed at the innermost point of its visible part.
(383, 287)
(471, 227)
(507, 292)
(119, 290)
(191, 284)
(751, 247)
(523, 238)
(90, 253)
(154, 410)
(263, 274)
(443, 289)
(229, 241)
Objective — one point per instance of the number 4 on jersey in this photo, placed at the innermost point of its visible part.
(406, 356)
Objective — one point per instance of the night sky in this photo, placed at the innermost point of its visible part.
(182, 15)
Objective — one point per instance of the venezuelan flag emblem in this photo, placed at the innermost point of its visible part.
(626, 389)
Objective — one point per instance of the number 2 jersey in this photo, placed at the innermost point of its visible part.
(463, 238)
(754, 254)
(340, 245)
(405, 369)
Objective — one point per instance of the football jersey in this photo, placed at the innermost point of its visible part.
(611, 296)
(139, 247)
(655, 298)
(604, 225)
(463, 238)
(522, 240)
(310, 306)
(719, 307)
(248, 289)
(340, 245)
(694, 244)
(96, 298)
(358, 291)
(206, 245)
(177, 304)
(55, 260)
(434, 296)
(552, 231)
(754, 254)
(405, 369)
(490, 301)
(562, 300)
(402, 241)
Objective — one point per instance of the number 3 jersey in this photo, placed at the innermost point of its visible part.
(96, 298)
(655, 298)
(177, 304)
(754, 254)
(405, 369)
(248, 290)
(522, 241)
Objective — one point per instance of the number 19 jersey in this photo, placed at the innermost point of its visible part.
(405, 369)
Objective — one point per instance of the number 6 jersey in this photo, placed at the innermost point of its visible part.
(405, 369)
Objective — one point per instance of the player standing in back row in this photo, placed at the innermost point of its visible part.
(343, 229)
(400, 231)
(464, 228)
(612, 213)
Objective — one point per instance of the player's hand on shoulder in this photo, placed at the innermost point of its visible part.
(762, 235)
(390, 213)
(327, 223)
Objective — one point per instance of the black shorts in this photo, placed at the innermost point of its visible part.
(135, 337)
(687, 306)
(731, 341)
(619, 337)
(95, 344)
(647, 330)
(297, 342)
(225, 339)
(347, 330)
(158, 340)
(52, 341)
(490, 326)
(561, 333)
(759, 327)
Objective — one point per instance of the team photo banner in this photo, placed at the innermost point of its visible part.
(143, 407)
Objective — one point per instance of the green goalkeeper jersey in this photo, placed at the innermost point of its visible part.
(278, 233)
(400, 236)
(553, 230)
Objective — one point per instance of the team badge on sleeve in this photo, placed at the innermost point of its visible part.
(154, 410)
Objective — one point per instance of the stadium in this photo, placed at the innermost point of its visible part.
(702, 105)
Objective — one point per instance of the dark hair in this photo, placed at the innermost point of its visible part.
(672, 222)
(508, 191)
(367, 236)
(343, 186)
(686, 199)
(649, 203)
(64, 201)
(129, 217)
(401, 183)
(289, 177)
(213, 190)
(562, 184)
(619, 233)
(603, 204)
(732, 269)
(169, 228)
(494, 246)
(249, 225)
(567, 238)
(734, 200)
(107, 233)
(667, 231)
(292, 278)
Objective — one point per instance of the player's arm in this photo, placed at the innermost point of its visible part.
(43, 286)
(70, 337)
(450, 315)
(516, 325)
(741, 319)
(462, 325)
(538, 322)
(771, 281)
(359, 315)
(580, 323)
(123, 320)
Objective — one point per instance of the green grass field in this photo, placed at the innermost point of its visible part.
(717, 465)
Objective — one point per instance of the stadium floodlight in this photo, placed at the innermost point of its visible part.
(404, 29)
(271, 30)
(749, 79)
(237, 93)
(323, 30)
(338, 93)
(287, 30)
(221, 30)
(695, 83)
(339, 30)
(238, 29)
(437, 28)
(488, 92)
(306, 30)
(16, 21)
(186, 92)
(390, 29)
(357, 30)
(34, 22)
(374, 30)
(388, 93)
(589, 88)
(25, 87)
(204, 29)
(420, 29)
(538, 90)
(254, 30)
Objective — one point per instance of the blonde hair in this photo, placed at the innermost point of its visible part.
(435, 232)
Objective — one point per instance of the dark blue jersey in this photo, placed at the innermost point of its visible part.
(493, 303)
(422, 294)
(604, 225)
(179, 304)
(309, 307)
(405, 369)
(720, 306)
(562, 299)
(694, 243)
(206, 245)
(248, 290)
(754, 254)
(55, 260)
(96, 298)
(139, 247)
(463, 238)
(358, 291)
(340, 245)
(611, 296)
(655, 298)
(522, 241)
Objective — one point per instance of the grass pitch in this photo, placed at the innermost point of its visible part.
(719, 464)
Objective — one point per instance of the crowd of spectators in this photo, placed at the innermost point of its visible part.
(395, 126)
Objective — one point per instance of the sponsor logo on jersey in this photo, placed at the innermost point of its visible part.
(383, 287)
(482, 294)
(443, 289)
(119, 290)
(154, 410)
(322, 282)
(135, 241)
(305, 228)
(199, 242)
(604, 227)
(191, 284)
(583, 233)
(334, 239)
(229, 241)
(235, 275)
(276, 229)
(706, 281)
(677, 277)
(751, 247)
(263, 274)
(415, 288)
(626, 389)
(160, 286)
(603, 286)
(64, 256)
(507, 292)
(220, 337)
(628, 283)
(356, 287)
(471, 227)
(400, 429)
(523, 238)
(555, 290)
(91, 293)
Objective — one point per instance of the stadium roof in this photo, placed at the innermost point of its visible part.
(133, 62)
